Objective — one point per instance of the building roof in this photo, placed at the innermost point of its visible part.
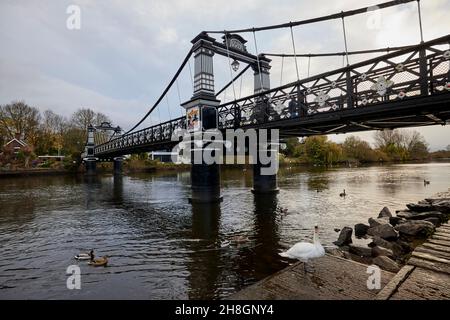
(22, 143)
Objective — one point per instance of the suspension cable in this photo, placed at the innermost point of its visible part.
(235, 78)
(330, 54)
(314, 20)
(345, 40)
(229, 65)
(420, 21)
(240, 86)
(309, 64)
(179, 96)
(295, 54)
(190, 72)
(168, 107)
(281, 75)
(186, 59)
(257, 60)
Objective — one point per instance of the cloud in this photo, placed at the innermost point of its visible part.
(127, 51)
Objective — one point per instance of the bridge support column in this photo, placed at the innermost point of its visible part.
(201, 115)
(118, 165)
(265, 172)
(90, 165)
(90, 160)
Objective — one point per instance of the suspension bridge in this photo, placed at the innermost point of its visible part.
(402, 87)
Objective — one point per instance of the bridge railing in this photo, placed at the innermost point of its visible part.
(416, 71)
(154, 134)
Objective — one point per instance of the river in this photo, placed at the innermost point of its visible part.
(161, 247)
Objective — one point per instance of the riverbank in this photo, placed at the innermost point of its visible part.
(413, 253)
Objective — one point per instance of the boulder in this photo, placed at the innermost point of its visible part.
(413, 215)
(386, 263)
(442, 206)
(360, 250)
(385, 213)
(345, 237)
(377, 222)
(433, 220)
(384, 231)
(419, 207)
(380, 251)
(361, 229)
(415, 228)
(396, 220)
(396, 247)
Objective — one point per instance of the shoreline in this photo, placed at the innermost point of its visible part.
(413, 252)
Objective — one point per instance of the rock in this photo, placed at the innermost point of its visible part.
(360, 250)
(335, 252)
(433, 220)
(360, 259)
(423, 202)
(386, 263)
(396, 220)
(377, 222)
(396, 246)
(419, 207)
(442, 206)
(345, 237)
(385, 213)
(380, 251)
(415, 228)
(412, 215)
(361, 229)
(384, 231)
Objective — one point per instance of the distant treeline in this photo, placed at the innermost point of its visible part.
(45, 133)
(390, 145)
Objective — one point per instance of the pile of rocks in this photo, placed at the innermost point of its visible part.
(393, 238)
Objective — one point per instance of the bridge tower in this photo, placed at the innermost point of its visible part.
(263, 183)
(89, 159)
(201, 114)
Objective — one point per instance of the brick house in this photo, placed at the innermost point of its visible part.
(15, 145)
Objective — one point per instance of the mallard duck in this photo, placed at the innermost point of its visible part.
(85, 256)
(99, 262)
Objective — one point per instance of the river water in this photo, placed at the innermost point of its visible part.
(161, 247)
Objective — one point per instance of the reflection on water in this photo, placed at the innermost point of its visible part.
(162, 247)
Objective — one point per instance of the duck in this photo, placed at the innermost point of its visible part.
(425, 182)
(85, 256)
(305, 251)
(240, 239)
(99, 262)
(342, 194)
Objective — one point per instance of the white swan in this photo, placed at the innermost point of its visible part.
(304, 251)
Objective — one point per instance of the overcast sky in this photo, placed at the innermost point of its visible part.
(126, 51)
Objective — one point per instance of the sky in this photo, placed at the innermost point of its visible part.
(125, 52)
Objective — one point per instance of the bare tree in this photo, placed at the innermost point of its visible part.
(84, 117)
(19, 118)
(385, 138)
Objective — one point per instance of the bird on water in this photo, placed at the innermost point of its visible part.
(305, 251)
(342, 194)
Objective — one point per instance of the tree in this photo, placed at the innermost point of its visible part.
(357, 149)
(17, 118)
(84, 117)
(402, 144)
(291, 145)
